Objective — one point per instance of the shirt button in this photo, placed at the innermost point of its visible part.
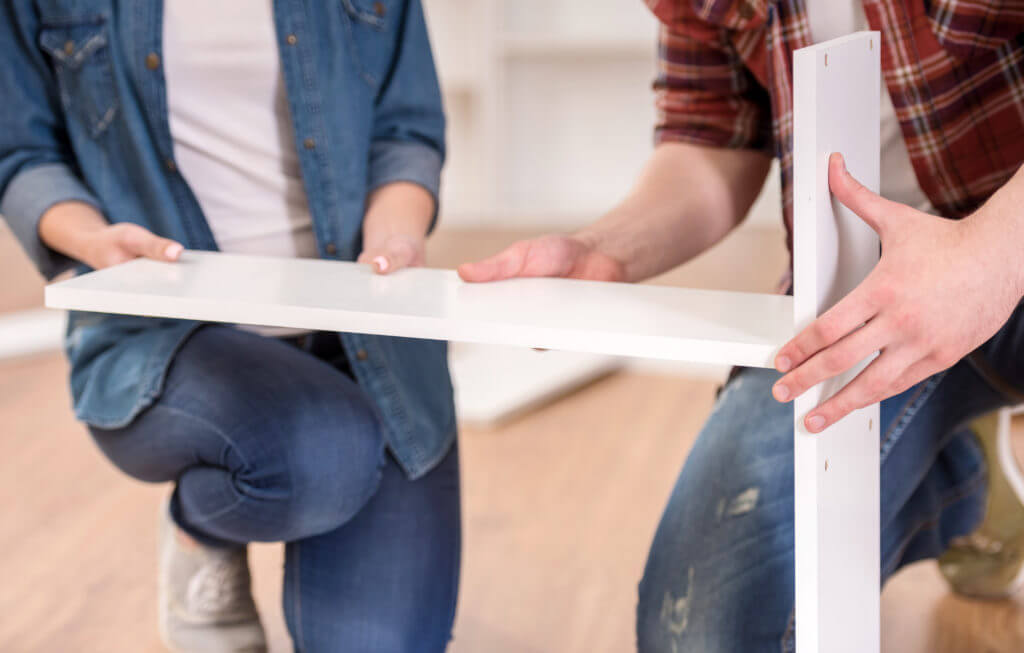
(309, 143)
(170, 165)
(331, 248)
(291, 39)
(379, 8)
(362, 355)
(69, 48)
(152, 61)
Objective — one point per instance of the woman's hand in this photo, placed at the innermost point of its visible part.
(394, 252)
(122, 242)
(80, 232)
(941, 289)
(574, 257)
(395, 227)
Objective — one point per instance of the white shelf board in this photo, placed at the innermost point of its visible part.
(607, 318)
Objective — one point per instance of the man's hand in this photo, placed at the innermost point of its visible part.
(548, 256)
(686, 199)
(941, 289)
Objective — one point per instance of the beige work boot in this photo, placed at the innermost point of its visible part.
(989, 563)
(204, 596)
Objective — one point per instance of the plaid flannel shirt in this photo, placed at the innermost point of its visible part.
(954, 70)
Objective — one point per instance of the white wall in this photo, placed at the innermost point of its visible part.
(550, 109)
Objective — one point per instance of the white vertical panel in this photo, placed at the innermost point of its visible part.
(836, 109)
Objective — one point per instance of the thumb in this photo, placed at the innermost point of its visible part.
(393, 254)
(141, 242)
(503, 265)
(396, 254)
(871, 207)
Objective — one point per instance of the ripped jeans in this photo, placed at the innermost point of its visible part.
(719, 576)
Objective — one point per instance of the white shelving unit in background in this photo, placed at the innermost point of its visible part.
(549, 107)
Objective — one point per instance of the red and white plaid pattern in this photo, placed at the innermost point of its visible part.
(954, 70)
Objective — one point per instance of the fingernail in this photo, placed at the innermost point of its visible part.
(173, 251)
(382, 263)
(781, 392)
(782, 363)
(815, 423)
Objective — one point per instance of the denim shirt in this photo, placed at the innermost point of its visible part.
(83, 116)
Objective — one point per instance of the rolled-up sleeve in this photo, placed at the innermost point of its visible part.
(405, 161)
(37, 169)
(28, 196)
(409, 124)
(704, 94)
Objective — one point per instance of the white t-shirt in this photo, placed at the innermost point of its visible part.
(233, 137)
(830, 19)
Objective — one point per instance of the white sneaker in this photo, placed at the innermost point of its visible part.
(204, 596)
(989, 563)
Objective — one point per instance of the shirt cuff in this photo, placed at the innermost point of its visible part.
(28, 196)
(392, 161)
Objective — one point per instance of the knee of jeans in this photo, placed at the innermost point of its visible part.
(321, 476)
(147, 469)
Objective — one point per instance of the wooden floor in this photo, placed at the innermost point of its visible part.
(559, 508)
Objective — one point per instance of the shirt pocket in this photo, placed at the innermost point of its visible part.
(80, 54)
(371, 26)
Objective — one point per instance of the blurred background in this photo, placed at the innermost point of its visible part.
(567, 459)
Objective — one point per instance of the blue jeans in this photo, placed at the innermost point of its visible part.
(719, 575)
(272, 440)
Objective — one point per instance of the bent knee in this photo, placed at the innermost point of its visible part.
(131, 457)
(328, 495)
(320, 478)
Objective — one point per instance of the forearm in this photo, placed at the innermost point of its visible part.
(398, 209)
(687, 199)
(66, 227)
(999, 227)
(80, 232)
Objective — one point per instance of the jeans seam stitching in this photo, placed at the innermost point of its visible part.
(961, 491)
(206, 518)
(908, 413)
